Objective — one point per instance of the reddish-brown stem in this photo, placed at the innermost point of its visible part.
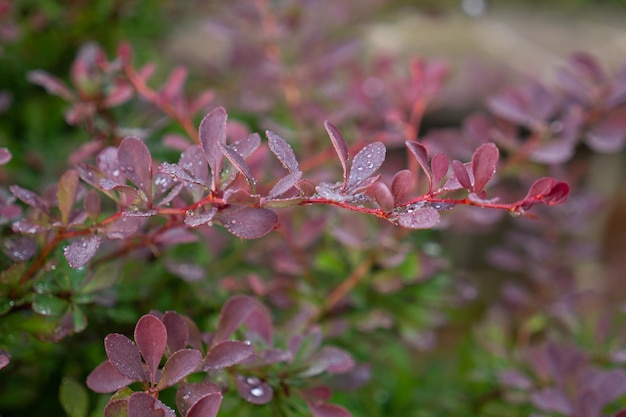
(152, 96)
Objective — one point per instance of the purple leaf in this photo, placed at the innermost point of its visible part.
(365, 163)
(328, 410)
(141, 404)
(336, 361)
(400, 185)
(5, 156)
(123, 228)
(109, 165)
(177, 331)
(207, 406)
(421, 218)
(239, 310)
(178, 366)
(461, 174)
(239, 163)
(106, 378)
(79, 252)
(124, 356)
(419, 151)
(174, 83)
(283, 151)
(92, 204)
(554, 152)
(193, 219)
(484, 162)
(241, 197)
(193, 161)
(190, 394)
(4, 359)
(28, 197)
(52, 84)
(90, 174)
(511, 106)
(227, 353)
(151, 339)
(341, 147)
(248, 222)
(551, 400)
(253, 390)
(212, 134)
(439, 165)
(246, 146)
(66, 194)
(135, 161)
(19, 248)
(609, 135)
(382, 195)
(284, 184)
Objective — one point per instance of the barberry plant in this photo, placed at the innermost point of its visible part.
(230, 255)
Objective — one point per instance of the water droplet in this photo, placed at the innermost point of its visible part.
(257, 392)
(368, 155)
(116, 173)
(370, 165)
(359, 168)
(189, 213)
(252, 380)
(233, 221)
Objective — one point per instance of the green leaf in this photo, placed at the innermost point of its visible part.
(49, 305)
(73, 398)
(103, 278)
(78, 319)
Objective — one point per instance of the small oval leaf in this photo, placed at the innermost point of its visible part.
(207, 406)
(106, 378)
(135, 161)
(151, 339)
(422, 218)
(79, 252)
(365, 163)
(178, 366)
(401, 184)
(227, 353)
(341, 147)
(248, 222)
(73, 398)
(213, 133)
(124, 356)
(484, 163)
(283, 151)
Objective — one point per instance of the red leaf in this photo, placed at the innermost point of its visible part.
(123, 227)
(609, 135)
(248, 222)
(365, 163)
(439, 165)
(28, 197)
(207, 406)
(106, 378)
(284, 184)
(328, 410)
(151, 339)
(193, 161)
(239, 310)
(177, 331)
(5, 156)
(135, 161)
(239, 163)
(341, 147)
(227, 353)
(419, 151)
(461, 174)
(484, 162)
(422, 218)
(335, 360)
(400, 185)
(91, 203)
(253, 390)
(212, 134)
(124, 356)
(174, 84)
(79, 252)
(188, 395)
(141, 404)
(178, 366)
(382, 195)
(52, 84)
(283, 151)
